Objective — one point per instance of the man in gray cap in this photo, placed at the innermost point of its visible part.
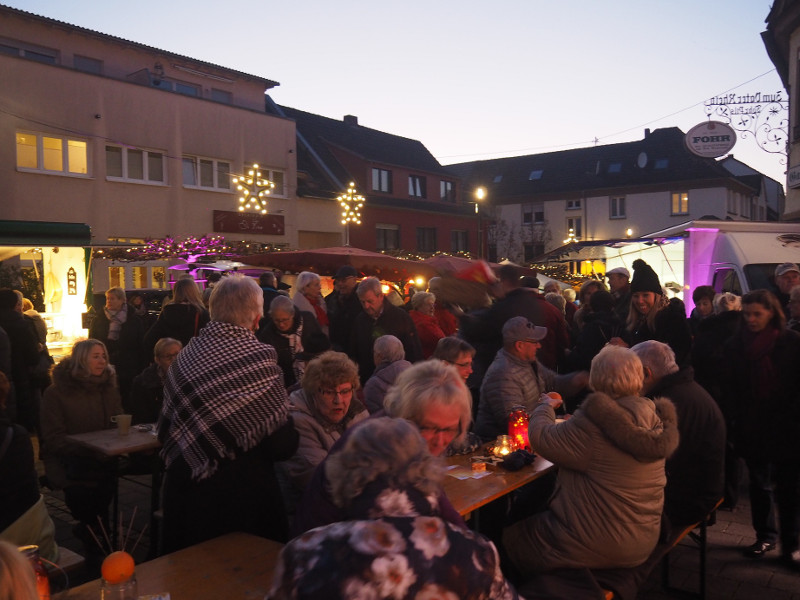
(516, 379)
(620, 287)
(787, 275)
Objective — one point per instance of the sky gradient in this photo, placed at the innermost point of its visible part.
(470, 79)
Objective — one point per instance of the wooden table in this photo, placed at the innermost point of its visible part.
(467, 495)
(236, 565)
(111, 443)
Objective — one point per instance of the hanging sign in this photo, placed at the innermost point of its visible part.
(711, 139)
(72, 282)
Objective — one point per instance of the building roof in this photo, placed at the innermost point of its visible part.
(268, 83)
(660, 158)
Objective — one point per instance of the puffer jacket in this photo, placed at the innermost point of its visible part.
(606, 509)
(376, 387)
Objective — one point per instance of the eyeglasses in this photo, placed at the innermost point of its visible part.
(330, 394)
(432, 431)
(535, 342)
(463, 365)
(280, 321)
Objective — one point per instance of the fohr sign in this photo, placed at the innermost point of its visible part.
(710, 139)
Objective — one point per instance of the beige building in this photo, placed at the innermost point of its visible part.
(137, 142)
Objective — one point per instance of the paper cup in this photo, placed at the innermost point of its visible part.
(123, 423)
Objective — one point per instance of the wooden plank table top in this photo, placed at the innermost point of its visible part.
(467, 495)
(111, 443)
(235, 565)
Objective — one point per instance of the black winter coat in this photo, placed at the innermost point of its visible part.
(314, 342)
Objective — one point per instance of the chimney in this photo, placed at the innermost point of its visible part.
(351, 120)
(647, 133)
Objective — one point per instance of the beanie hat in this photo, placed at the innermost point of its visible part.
(644, 278)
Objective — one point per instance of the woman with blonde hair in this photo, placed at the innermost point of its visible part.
(82, 398)
(606, 510)
(394, 542)
(17, 577)
(308, 298)
(182, 318)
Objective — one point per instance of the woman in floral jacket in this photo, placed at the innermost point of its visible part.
(395, 545)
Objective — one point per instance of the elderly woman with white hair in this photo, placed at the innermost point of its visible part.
(423, 307)
(430, 394)
(390, 361)
(394, 542)
(606, 509)
(308, 297)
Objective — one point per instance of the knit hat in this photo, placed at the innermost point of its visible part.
(644, 278)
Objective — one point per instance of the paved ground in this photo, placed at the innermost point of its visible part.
(730, 575)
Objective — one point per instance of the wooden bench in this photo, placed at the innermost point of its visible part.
(700, 539)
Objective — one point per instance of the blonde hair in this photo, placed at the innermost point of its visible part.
(80, 358)
(187, 292)
(17, 577)
(391, 450)
(617, 371)
(633, 315)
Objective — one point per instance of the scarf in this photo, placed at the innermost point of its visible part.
(223, 395)
(758, 348)
(295, 339)
(319, 311)
(115, 321)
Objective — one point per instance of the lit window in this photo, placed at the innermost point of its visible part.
(617, 207)
(416, 186)
(575, 224)
(206, 173)
(52, 154)
(680, 203)
(133, 164)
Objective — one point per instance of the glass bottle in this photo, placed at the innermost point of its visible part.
(42, 580)
(126, 590)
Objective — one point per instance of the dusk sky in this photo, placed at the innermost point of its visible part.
(471, 79)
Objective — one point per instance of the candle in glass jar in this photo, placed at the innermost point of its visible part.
(518, 429)
(503, 446)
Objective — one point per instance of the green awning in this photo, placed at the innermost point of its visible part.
(44, 233)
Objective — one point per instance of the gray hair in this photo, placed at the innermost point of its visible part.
(423, 384)
(569, 294)
(552, 286)
(449, 348)
(390, 450)
(282, 304)
(118, 292)
(420, 298)
(556, 300)
(388, 348)
(303, 279)
(658, 357)
(369, 284)
(617, 371)
(238, 300)
(726, 301)
(164, 343)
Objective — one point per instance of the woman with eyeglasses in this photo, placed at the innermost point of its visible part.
(323, 408)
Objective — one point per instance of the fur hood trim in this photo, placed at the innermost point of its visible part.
(63, 378)
(618, 425)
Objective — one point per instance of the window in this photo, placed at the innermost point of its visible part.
(387, 237)
(615, 167)
(187, 89)
(459, 241)
(732, 202)
(447, 191)
(381, 180)
(416, 186)
(159, 278)
(535, 175)
(221, 96)
(139, 277)
(616, 207)
(116, 277)
(747, 205)
(680, 203)
(206, 173)
(88, 65)
(533, 214)
(39, 54)
(39, 152)
(575, 224)
(573, 204)
(531, 251)
(661, 163)
(497, 179)
(132, 164)
(426, 239)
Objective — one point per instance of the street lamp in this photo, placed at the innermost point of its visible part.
(351, 203)
(254, 190)
(480, 195)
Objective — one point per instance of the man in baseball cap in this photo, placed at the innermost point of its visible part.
(516, 379)
(620, 287)
(787, 275)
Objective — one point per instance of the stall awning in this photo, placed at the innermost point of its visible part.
(44, 233)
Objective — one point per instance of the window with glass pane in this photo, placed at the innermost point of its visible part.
(426, 239)
(135, 164)
(113, 161)
(187, 89)
(27, 157)
(277, 178)
(416, 186)
(224, 175)
(387, 237)
(155, 166)
(159, 278)
(447, 191)
(139, 277)
(76, 157)
(459, 241)
(116, 277)
(680, 203)
(206, 173)
(575, 224)
(189, 172)
(52, 154)
(617, 207)
(88, 65)
(381, 180)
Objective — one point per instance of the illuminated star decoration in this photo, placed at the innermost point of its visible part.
(351, 204)
(254, 190)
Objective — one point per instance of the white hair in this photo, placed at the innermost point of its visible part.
(656, 356)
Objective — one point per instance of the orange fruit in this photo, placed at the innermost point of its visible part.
(117, 567)
(555, 395)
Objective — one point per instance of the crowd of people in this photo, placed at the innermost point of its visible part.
(320, 420)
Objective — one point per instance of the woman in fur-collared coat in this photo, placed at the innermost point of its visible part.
(606, 509)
